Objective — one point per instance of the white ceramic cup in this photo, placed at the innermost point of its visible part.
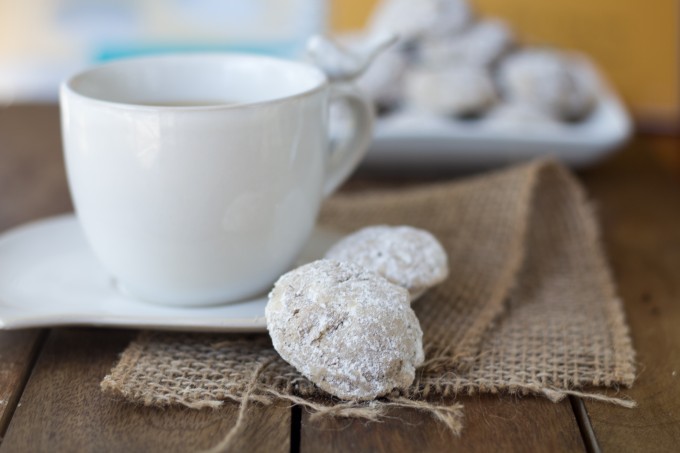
(203, 204)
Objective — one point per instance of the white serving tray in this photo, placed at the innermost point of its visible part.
(415, 139)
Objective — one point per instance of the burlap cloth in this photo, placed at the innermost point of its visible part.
(529, 307)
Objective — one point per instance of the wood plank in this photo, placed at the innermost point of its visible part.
(639, 204)
(63, 409)
(17, 353)
(667, 151)
(491, 423)
(32, 175)
(32, 185)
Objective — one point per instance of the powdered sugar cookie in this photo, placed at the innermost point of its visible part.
(520, 117)
(415, 19)
(549, 81)
(383, 79)
(481, 45)
(459, 90)
(407, 256)
(348, 330)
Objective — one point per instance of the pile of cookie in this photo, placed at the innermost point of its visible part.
(450, 63)
(346, 323)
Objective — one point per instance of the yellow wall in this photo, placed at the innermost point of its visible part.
(636, 42)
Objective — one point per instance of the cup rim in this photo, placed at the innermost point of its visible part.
(67, 87)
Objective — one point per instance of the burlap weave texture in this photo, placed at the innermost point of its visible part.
(529, 307)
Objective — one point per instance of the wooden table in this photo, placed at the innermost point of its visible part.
(49, 379)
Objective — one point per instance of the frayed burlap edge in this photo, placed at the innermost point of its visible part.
(450, 414)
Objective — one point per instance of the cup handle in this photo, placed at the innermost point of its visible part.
(346, 155)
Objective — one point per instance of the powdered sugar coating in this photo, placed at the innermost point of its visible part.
(415, 19)
(383, 79)
(481, 44)
(407, 256)
(456, 90)
(348, 330)
(515, 116)
(549, 81)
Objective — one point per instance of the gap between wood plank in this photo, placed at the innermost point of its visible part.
(13, 402)
(295, 428)
(584, 425)
(492, 423)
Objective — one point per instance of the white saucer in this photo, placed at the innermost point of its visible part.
(49, 277)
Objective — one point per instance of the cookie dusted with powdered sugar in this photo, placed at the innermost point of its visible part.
(457, 90)
(547, 80)
(383, 79)
(482, 44)
(415, 19)
(407, 256)
(348, 330)
(521, 117)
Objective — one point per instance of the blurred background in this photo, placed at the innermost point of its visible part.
(634, 42)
